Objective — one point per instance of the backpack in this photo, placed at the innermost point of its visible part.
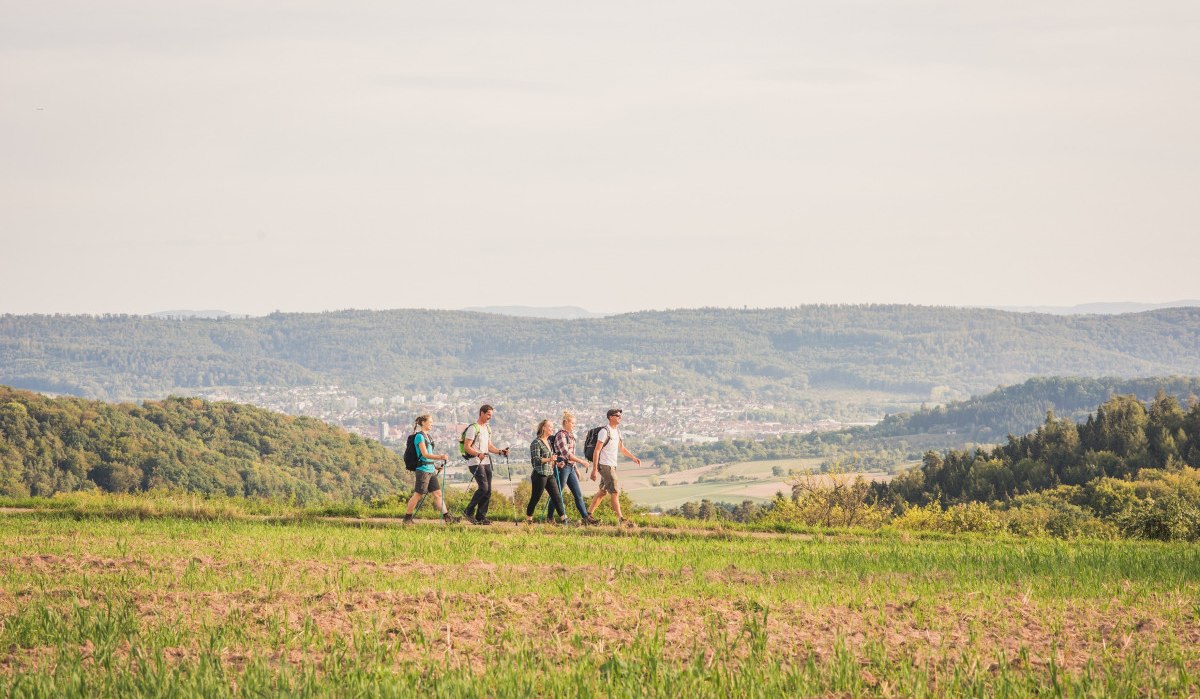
(462, 441)
(589, 442)
(412, 455)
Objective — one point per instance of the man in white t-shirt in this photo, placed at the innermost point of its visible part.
(477, 443)
(604, 463)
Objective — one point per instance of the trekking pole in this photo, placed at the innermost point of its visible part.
(511, 489)
(442, 490)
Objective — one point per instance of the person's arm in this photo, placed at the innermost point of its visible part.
(596, 452)
(426, 455)
(632, 458)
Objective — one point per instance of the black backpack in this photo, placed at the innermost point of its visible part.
(589, 442)
(412, 455)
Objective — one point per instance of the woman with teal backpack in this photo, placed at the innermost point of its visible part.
(427, 471)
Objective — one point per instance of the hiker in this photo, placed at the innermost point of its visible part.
(565, 474)
(427, 472)
(477, 445)
(604, 464)
(542, 458)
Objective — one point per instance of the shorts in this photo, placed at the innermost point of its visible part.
(427, 483)
(608, 479)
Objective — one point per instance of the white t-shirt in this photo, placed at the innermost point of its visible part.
(608, 455)
(479, 437)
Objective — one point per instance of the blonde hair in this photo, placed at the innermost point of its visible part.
(567, 415)
(420, 420)
(543, 423)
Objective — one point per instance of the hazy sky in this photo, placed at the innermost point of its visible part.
(300, 156)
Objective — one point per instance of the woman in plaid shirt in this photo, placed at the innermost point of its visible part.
(564, 469)
(542, 458)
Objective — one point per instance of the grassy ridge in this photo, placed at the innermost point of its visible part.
(133, 607)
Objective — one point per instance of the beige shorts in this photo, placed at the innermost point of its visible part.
(608, 479)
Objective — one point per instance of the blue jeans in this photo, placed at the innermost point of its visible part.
(568, 478)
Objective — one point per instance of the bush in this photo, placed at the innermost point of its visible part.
(1169, 518)
(972, 517)
(928, 518)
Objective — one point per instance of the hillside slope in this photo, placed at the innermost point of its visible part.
(50, 445)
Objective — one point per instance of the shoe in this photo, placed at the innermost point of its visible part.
(469, 519)
(483, 521)
(450, 519)
(627, 523)
(408, 519)
(591, 521)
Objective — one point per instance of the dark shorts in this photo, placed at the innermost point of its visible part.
(427, 483)
(608, 479)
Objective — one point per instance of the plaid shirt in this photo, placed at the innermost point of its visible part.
(563, 444)
(537, 452)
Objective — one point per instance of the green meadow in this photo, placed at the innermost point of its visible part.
(154, 606)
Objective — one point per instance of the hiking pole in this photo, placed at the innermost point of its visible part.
(441, 473)
(511, 489)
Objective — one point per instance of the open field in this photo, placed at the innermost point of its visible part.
(682, 486)
(110, 607)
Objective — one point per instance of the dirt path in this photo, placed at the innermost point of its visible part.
(507, 526)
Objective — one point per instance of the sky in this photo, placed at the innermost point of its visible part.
(254, 156)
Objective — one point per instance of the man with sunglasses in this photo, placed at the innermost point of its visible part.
(609, 446)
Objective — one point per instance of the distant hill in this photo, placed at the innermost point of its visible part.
(783, 356)
(557, 312)
(1102, 308)
(1019, 409)
(51, 445)
(196, 314)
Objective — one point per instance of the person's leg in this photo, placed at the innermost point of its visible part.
(572, 482)
(558, 479)
(412, 503)
(485, 499)
(597, 501)
(556, 503)
(471, 506)
(616, 503)
(539, 484)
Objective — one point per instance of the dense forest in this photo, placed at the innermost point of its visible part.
(52, 445)
(982, 419)
(773, 355)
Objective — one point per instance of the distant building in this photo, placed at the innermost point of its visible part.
(383, 432)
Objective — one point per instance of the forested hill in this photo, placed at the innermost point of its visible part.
(774, 354)
(50, 445)
(1019, 409)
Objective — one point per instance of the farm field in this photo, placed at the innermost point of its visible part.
(681, 486)
(95, 606)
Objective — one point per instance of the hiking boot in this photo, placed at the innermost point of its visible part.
(408, 519)
(626, 523)
(591, 521)
(481, 521)
(450, 519)
(469, 519)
